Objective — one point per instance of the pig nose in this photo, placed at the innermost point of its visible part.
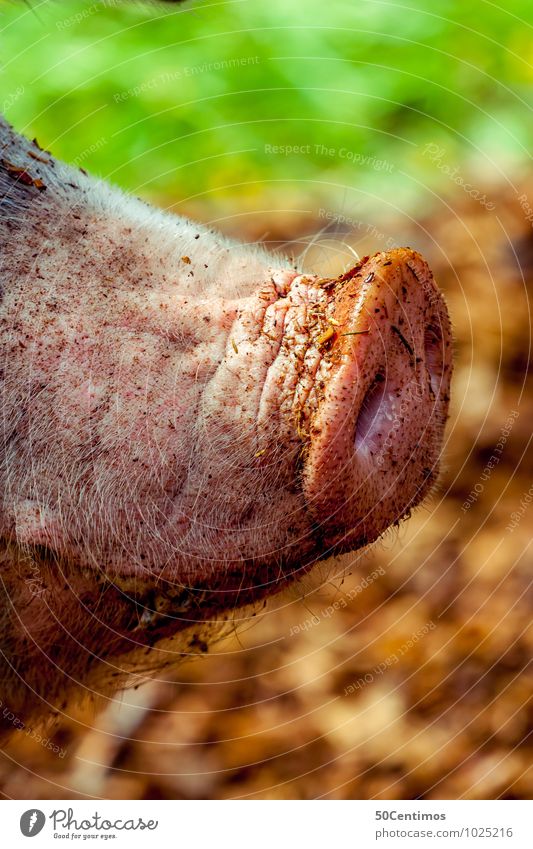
(377, 429)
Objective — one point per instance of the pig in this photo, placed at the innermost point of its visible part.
(188, 424)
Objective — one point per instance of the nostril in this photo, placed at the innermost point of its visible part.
(370, 413)
(434, 354)
(379, 424)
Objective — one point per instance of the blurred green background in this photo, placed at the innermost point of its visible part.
(185, 104)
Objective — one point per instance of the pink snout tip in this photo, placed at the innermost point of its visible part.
(376, 429)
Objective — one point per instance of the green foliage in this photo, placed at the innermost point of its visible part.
(184, 101)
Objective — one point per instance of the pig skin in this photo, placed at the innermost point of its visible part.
(188, 424)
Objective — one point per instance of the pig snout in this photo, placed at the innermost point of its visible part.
(326, 414)
(185, 429)
(376, 416)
